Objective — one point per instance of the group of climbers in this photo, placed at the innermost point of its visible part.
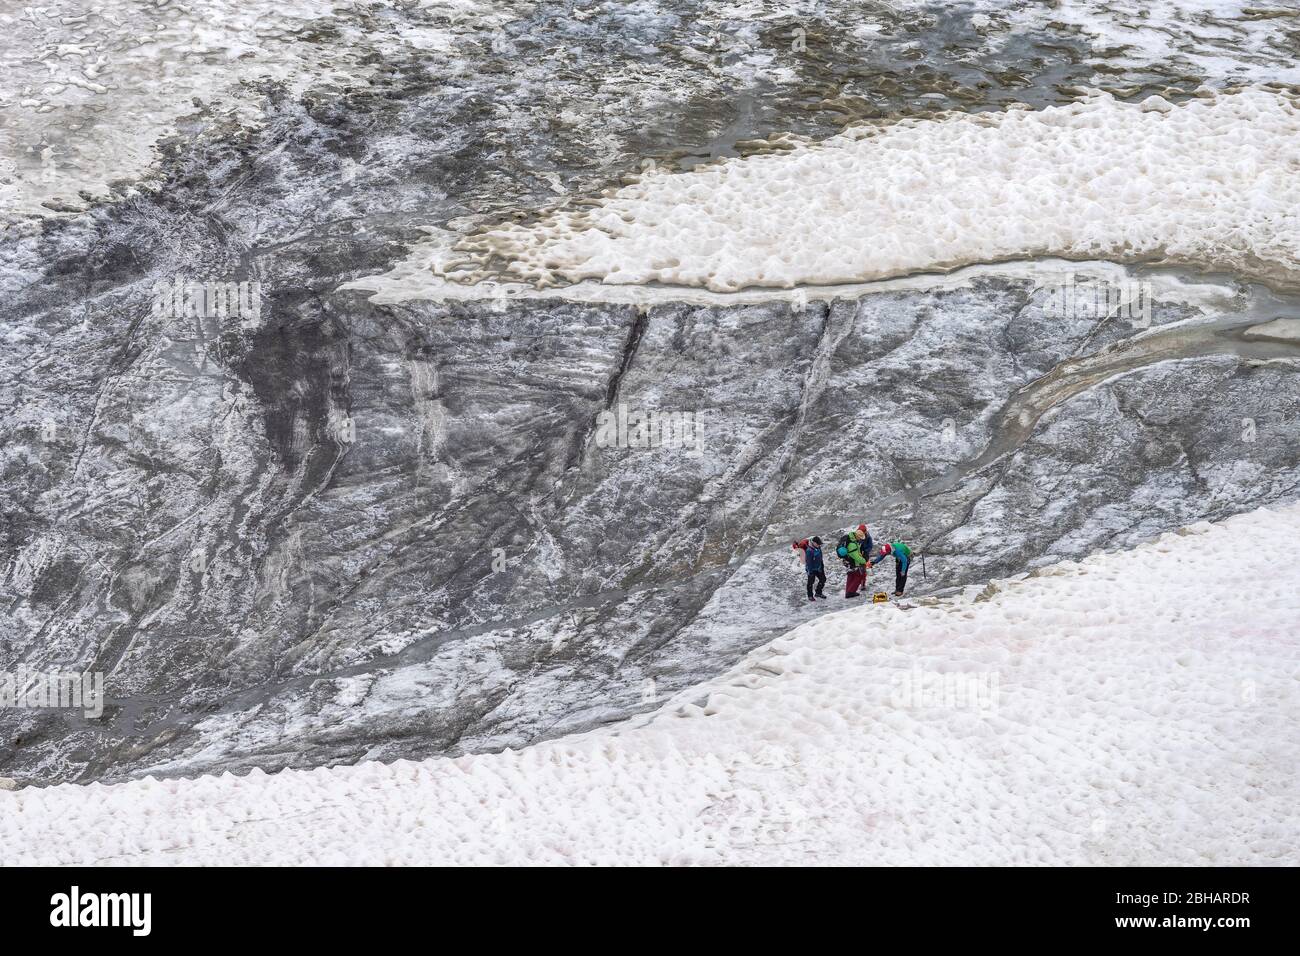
(856, 550)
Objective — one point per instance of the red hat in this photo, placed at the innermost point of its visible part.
(862, 527)
(886, 549)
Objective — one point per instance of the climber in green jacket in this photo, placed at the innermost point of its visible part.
(854, 549)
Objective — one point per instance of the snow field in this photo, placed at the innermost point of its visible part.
(92, 89)
(1212, 181)
(1134, 707)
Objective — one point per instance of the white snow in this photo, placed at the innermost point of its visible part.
(1284, 329)
(1220, 41)
(1212, 181)
(1226, 40)
(88, 91)
(1136, 707)
(420, 275)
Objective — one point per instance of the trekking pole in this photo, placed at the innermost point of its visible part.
(924, 576)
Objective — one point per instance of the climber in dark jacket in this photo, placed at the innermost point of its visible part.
(813, 565)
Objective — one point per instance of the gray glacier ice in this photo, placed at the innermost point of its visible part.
(319, 529)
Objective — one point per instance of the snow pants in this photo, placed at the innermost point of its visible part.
(820, 578)
(856, 578)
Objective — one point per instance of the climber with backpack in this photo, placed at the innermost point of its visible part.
(853, 548)
(813, 565)
(902, 561)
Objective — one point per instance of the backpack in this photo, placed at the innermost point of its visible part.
(843, 548)
(901, 547)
